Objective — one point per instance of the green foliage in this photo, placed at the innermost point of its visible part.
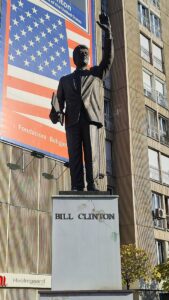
(161, 273)
(135, 264)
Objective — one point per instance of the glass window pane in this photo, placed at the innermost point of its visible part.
(159, 86)
(147, 80)
(154, 164)
(165, 169)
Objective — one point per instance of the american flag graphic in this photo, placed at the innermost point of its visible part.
(38, 52)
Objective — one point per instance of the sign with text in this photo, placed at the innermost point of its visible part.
(13, 280)
(85, 243)
(37, 39)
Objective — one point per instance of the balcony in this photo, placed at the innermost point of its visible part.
(155, 96)
(164, 138)
(145, 54)
(153, 132)
(154, 173)
(157, 63)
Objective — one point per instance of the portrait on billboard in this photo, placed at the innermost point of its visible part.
(36, 50)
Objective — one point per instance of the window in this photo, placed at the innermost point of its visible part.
(161, 93)
(165, 169)
(164, 130)
(154, 164)
(145, 47)
(155, 3)
(143, 15)
(107, 114)
(152, 127)
(160, 251)
(157, 57)
(147, 84)
(108, 157)
(155, 25)
(158, 208)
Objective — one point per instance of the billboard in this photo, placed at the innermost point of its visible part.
(37, 38)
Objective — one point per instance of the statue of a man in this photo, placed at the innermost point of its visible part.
(79, 95)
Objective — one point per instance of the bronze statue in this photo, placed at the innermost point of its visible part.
(78, 93)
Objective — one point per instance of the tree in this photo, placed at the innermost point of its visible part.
(161, 273)
(134, 264)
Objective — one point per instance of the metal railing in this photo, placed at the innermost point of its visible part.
(155, 96)
(154, 173)
(145, 54)
(153, 132)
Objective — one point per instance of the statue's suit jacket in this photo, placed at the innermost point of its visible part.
(71, 96)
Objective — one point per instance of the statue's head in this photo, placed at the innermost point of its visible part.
(81, 56)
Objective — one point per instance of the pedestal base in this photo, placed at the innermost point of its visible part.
(109, 295)
(85, 243)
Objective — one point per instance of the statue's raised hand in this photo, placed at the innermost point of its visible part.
(104, 22)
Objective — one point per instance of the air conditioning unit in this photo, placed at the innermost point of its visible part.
(160, 213)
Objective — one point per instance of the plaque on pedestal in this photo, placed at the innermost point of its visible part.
(85, 243)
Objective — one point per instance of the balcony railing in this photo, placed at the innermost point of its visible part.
(165, 177)
(153, 132)
(154, 173)
(155, 96)
(164, 138)
(145, 54)
(157, 63)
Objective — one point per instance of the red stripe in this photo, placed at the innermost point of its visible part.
(29, 87)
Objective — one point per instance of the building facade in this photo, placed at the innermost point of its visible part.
(136, 146)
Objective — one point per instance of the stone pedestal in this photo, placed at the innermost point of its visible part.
(85, 243)
(85, 248)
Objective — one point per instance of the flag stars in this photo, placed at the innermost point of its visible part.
(50, 44)
(60, 22)
(20, 3)
(49, 30)
(40, 67)
(18, 52)
(45, 49)
(36, 24)
(22, 18)
(37, 38)
(39, 53)
(23, 32)
(14, 7)
(61, 36)
(57, 53)
(28, 14)
(15, 22)
(26, 63)
(34, 10)
(59, 68)
(41, 20)
(17, 37)
(25, 48)
(31, 43)
(33, 58)
(11, 57)
(46, 63)
(56, 40)
(47, 17)
(53, 72)
(63, 49)
(43, 34)
(52, 58)
(30, 28)
(54, 26)
(64, 63)
(10, 42)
